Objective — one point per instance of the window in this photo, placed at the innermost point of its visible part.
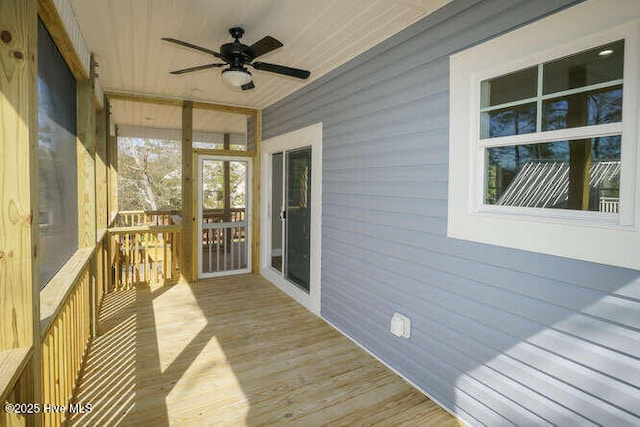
(544, 147)
(581, 170)
(57, 176)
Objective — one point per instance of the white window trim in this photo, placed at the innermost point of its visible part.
(310, 136)
(589, 236)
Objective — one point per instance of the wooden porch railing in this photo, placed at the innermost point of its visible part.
(64, 343)
(142, 218)
(124, 257)
(68, 307)
(146, 255)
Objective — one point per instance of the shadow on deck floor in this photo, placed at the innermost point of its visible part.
(235, 351)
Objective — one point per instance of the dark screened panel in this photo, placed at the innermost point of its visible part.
(57, 170)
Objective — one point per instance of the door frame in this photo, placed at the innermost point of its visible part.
(310, 136)
(200, 158)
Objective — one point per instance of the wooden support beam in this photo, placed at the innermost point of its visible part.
(113, 176)
(86, 165)
(579, 150)
(19, 278)
(579, 174)
(226, 172)
(153, 99)
(19, 186)
(101, 170)
(255, 204)
(188, 212)
(222, 153)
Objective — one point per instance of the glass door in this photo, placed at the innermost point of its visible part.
(297, 216)
(223, 220)
(291, 215)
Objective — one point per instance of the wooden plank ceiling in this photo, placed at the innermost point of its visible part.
(318, 35)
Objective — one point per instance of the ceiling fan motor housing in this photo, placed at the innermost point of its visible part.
(236, 54)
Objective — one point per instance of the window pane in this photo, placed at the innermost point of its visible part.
(276, 211)
(598, 65)
(509, 121)
(582, 109)
(510, 87)
(57, 180)
(549, 175)
(297, 244)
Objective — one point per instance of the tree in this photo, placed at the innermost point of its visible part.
(150, 175)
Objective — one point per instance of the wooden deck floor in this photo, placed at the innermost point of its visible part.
(235, 351)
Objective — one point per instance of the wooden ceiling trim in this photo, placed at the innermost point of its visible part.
(152, 99)
(225, 108)
(54, 23)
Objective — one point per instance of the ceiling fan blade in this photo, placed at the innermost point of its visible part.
(265, 45)
(281, 69)
(192, 46)
(198, 68)
(248, 86)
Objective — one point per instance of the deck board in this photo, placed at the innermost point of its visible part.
(235, 351)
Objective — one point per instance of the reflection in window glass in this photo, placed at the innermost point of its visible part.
(583, 109)
(598, 65)
(509, 88)
(506, 107)
(57, 180)
(509, 121)
(538, 175)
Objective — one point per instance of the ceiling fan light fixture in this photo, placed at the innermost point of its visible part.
(236, 77)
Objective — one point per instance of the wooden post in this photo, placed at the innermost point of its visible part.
(19, 278)
(113, 176)
(255, 204)
(99, 276)
(226, 177)
(19, 186)
(227, 180)
(87, 219)
(188, 213)
(579, 150)
(101, 169)
(86, 165)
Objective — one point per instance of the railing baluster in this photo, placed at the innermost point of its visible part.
(144, 261)
(231, 244)
(58, 363)
(174, 242)
(239, 246)
(224, 253)
(217, 249)
(136, 262)
(164, 256)
(157, 259)
(210, 250)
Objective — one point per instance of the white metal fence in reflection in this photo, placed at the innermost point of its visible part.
(224, 246)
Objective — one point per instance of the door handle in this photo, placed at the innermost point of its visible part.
(283, 214)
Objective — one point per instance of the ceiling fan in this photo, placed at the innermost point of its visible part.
(238, 56)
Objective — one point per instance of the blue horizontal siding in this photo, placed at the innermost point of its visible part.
(498, 335)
